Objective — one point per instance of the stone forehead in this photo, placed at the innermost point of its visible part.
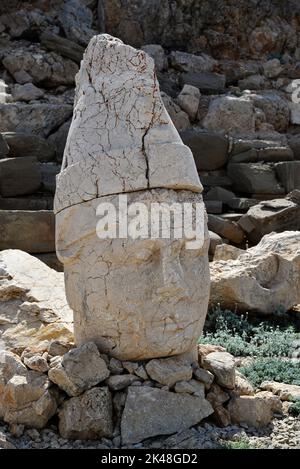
(121, 139)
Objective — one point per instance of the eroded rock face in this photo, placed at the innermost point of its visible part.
(263, 279)
(136, 299)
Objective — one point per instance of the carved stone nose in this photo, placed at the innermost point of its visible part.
(174, 286)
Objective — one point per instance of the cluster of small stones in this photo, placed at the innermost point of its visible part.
(178, 402)
(231, 104)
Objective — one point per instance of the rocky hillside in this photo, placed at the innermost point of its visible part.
(228, 74)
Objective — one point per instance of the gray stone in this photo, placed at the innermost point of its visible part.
(149, 412)
(19, 176)
(230, 114)
(4, 148)
(275, 108)
(272, 215)
(222, 366)
(46, 68)
(119, 382)
(214, 206)
(215, 240)
(204, 376)
(27, 92)
(190, 387)
(294, 143)
(288, 173)
(39, 118)
(272, 68)
(215, 178)
(23, 144)
(188, 99)
(252, 178)
(79, 369)
(253, 82)
(207, 82)
(63, 46)
(219, 193)
(179, 118)
(26, 203)
(158, 55)
(209, 149)
(185, 62)
(87, 417)
(226, 228)
(49, 172)
(58, 140)
(168, 371)
(241, 204)
(76, 20)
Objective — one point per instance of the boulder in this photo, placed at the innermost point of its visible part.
(206, 82)
(38, 118)
(226, 228)
(288, 173)
(168, 371)
(49, 171)
(230, 114)
(242, 386)
(185, 62)
(272, 68)
(222, 366)
(158, 55)
(255, 411)
(58, 139)
(209, 148)
(272, 215)
(224, 252)
(190, 387)
(25, 396)
(46, 68)
(87, 417)
(286, 392)
(21, 144)
(150, 412)
(263, 279)
(188, 99)
(179, 118)
(275, 108)
(241, 204)
(30, 231)
(4, 148)
(62, 46)
(79, 369)
(19, 176)
(28, 92)
(33, 306)
(219, 193)
(254, 178)
(76, 20)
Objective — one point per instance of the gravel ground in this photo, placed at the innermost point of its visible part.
(283, 433)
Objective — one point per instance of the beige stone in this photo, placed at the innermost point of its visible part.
(189, 99)
(242, 386)
(263, 279)
(286, 392)
(256, 411)
(224, 252)
(79, 369)
(137, 299)
(149, 412)
(222, 366)
(33, 306)
(168, 371)
(87, 417)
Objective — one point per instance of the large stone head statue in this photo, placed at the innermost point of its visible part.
(137, 293)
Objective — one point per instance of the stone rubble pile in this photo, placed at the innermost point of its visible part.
(229, 95)
(96, 397)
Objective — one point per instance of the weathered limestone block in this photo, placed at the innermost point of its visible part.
(136, 299)
(263, 278)
(33, 306)
(222, 365)
(256, 411)
(149, 412)
(286, 392)
(168, 371)
(79, 369)
(87, 417)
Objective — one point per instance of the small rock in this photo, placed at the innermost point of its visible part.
(189, 99)
(190, 387)
(168, 371)
(36, 362)
(118, 382)
(27, 92)
(272, 68)
(158, 55)
(79, 369)
(87, 417)
(115, 366)
(59, 348)
(204, 376)
(222, 365)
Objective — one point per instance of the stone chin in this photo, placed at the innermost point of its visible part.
(136, 299)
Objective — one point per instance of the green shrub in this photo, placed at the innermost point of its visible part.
(272, 369)
(241, 444)
(244, 337)
(294, 409)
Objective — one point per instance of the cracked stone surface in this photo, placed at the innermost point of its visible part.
(142, 298)
(121, 137)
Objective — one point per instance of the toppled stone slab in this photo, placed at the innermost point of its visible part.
(149, 412)
(87, 417)
(263, 278)
(79, 369)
